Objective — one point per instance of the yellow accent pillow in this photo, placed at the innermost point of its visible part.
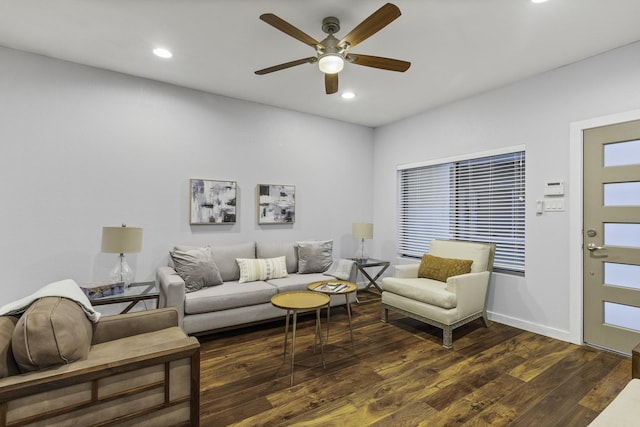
(433, 267)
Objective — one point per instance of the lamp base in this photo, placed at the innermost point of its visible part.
(362, 252)
(121, 272)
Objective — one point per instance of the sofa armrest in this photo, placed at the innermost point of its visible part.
(111, 328)
(470, 290)
(171, 288)
(353, 274)
(406, 271)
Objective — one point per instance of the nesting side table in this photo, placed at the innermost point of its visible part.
(294, 302)
(335, 287)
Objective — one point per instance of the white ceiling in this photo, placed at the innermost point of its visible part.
(457, 48)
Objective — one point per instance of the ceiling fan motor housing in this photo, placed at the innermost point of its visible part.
(330, 25)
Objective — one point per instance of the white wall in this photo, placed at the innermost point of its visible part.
(538, 113)
(82, 148)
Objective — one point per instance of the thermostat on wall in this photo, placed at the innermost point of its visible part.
(554, 188)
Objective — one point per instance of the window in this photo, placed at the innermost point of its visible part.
(475, 199)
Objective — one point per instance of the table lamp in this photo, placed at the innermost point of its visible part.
(121, 240)
(362, 231)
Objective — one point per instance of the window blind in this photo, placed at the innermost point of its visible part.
(479, 199)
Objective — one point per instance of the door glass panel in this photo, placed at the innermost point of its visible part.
(624, 275)
(622, 153)
(621, 315)
(616, 234)
(622, 194)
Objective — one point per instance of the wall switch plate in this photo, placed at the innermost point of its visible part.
(554, 205)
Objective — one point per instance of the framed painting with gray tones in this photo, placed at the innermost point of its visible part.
(212, 202)
(276, 204)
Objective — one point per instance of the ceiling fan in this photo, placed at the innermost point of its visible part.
(331, 53)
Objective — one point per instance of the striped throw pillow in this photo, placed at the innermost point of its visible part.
(262, 268)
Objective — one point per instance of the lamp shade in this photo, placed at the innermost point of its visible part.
(121, 240)
(362, 230)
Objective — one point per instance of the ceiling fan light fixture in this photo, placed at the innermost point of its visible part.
(331, 63)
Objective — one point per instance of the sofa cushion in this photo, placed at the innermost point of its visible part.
(262, 269)
(437, 268)
(196, 267)
(296, 282)
(273, 250)
(8, 365)
(225, 258)
(429, 291)
(480, 253)
(228, 295)
(315, 256)
(53, 331)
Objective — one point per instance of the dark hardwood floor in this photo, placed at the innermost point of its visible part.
(400, 375)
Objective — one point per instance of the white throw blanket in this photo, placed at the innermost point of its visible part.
(65, 288)
(340, 269)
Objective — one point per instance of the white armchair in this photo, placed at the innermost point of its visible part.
(446, 305)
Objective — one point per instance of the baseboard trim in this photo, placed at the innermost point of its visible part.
(533, 327)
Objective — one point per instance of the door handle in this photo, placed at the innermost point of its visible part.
(592, 247)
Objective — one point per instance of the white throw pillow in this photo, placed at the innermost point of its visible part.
(262, 268)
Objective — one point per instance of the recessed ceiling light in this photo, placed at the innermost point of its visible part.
(348, 95)
(162, 52)
(538, 1)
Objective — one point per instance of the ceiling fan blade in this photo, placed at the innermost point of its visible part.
(374, 23)
(331, 83)
(289, 29)
(286, 65)
(379, 62)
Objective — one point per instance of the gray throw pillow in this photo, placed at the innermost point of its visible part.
(315, 256)
(197, 268)
(274, 250)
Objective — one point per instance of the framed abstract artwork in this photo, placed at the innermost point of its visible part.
(276, 204)
(212, 202)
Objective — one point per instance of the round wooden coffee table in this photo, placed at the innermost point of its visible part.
(335, 287)
(295, 302)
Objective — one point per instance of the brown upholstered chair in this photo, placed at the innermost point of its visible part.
(139, 368)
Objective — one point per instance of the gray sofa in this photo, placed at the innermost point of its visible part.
(233, 303)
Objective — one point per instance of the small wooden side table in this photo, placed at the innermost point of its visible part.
(294, 302)
(335, 287)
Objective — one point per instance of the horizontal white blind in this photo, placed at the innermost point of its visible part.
(478, 199)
